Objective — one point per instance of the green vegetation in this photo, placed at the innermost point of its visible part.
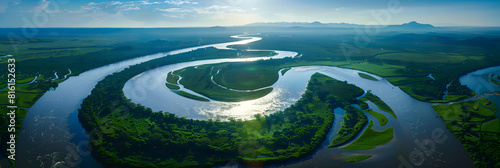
(457, 91)
(398, 81)
(382, 119)
(285, 70)
(491, 126)
(371, 138)
(476, 127)
(246, 75)
(198, 80)
(57, 50)
(380, 104)
(408, 58)
(172, 86)
(171, 78)
(492, 79)
(353, 124)
(25, 80)
(357, 158)
(191, 96)
(470, 111)
(282, 136)
(428, 57)
(405, 60)
(366, 76)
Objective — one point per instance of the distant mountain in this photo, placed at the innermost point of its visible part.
(218, 28)
(302, 24)
(412, 25)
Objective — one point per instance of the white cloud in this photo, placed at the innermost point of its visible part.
(115, 3)
(179, 2)
(175, 10)
(173, 16)
(217, 7)
(149, 3)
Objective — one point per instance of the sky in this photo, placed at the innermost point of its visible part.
(207, 13)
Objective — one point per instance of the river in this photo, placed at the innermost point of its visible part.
(52, 135)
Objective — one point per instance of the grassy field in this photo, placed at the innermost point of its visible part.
(471, 110)
(397, 81)
(172, 78)
(475, 127)
(366, 76)
(247, 75)
(371, 138)
(491, 126)
(357, 158)
(198, 80)
(378, 69)
(25, 80)
(429, 57)
(382, 119)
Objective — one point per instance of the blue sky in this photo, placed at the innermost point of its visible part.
(202, 13)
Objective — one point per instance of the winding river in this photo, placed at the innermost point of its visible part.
(52, 135)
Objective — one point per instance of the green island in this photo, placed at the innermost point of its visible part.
(366, 76)
(285, 70)
(172, 86)
(377, 101)
(198, 80)
(357, 158)
(495, 81)
(246, 75)
(474, 124)
(382, 119)
(371, 138)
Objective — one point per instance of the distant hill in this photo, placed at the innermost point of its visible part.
(412, 25)
(302, 24)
